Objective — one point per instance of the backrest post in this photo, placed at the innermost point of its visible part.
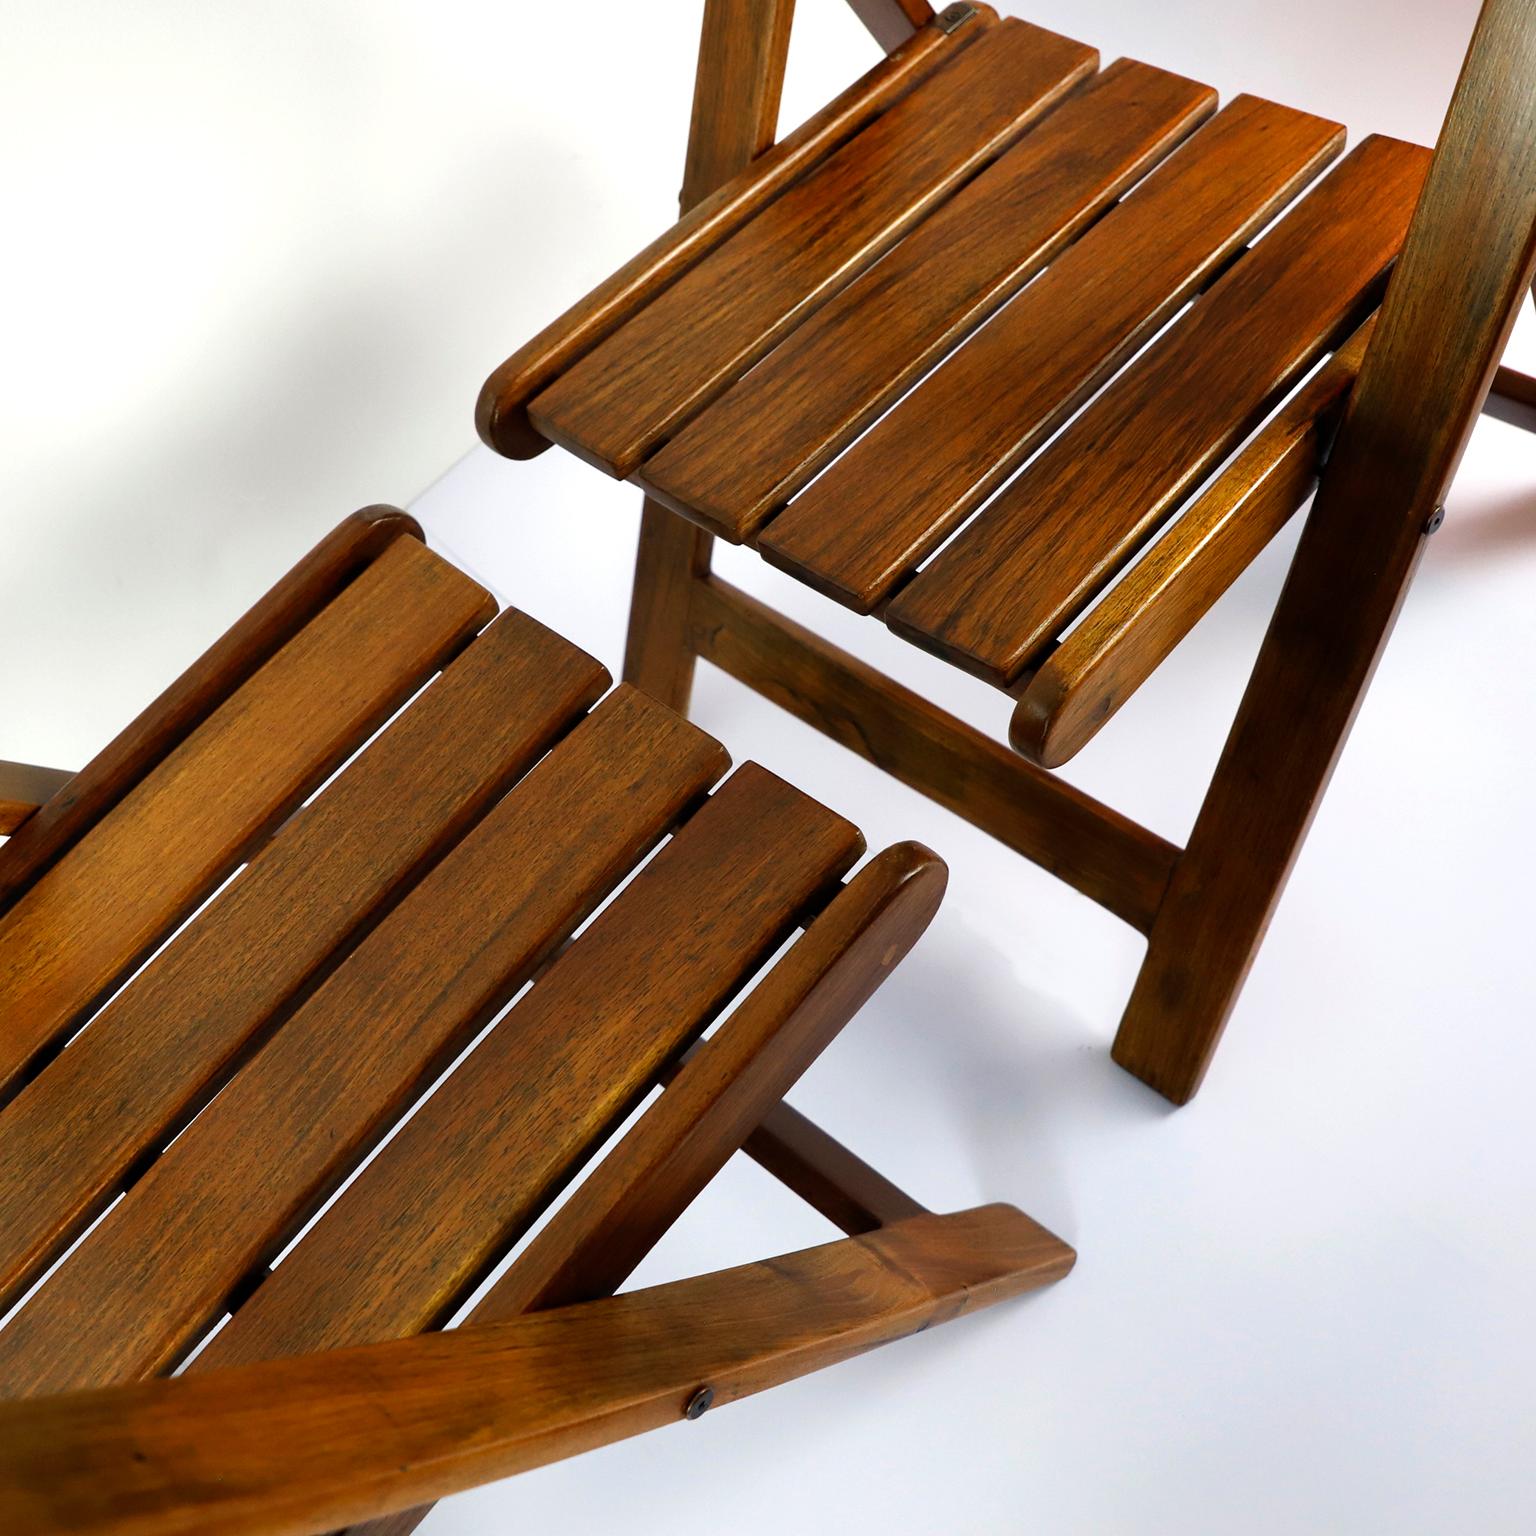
(742, 53)
(1468, 260)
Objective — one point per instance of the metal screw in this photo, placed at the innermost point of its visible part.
(1435, 519)
(953, 17)
(698, 1404)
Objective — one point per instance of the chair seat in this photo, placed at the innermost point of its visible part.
(369, 934)
(960, 365)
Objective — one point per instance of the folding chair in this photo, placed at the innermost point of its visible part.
(224, 998)
(1002, 348)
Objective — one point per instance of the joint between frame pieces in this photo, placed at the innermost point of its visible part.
(953, 17)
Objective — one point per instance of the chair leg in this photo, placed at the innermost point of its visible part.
(659, 656)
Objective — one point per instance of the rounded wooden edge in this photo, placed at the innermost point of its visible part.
(389, 520)
(1053, 721)
(501, 414)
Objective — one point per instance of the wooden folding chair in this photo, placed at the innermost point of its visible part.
(1052, 499)
(300, 968)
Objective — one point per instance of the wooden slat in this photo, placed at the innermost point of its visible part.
(232, 1189)
(1010, 582)
(618, 403)
(402, 1249)
(100, 910)
(24, 787)
(739, 461)
(725, 1088)
(737, 85)
(300, 1446)
(1103, 854)
(502, 412)
(127, 1084)
(198, 692)
(1102, 662)
(900, 491)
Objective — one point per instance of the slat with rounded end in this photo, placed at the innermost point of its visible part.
(1030, 563)
(738, 462)
(624, 398)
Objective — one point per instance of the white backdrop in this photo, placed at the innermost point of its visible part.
(261, 259)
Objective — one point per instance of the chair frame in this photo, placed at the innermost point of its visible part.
(1431, 367)
(554, 1363)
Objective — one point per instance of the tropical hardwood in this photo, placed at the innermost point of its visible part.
(1031, 366)
(355, 975)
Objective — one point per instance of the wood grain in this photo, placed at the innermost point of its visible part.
(1449, 310)
(211, 679)
(93, 916)
(147, 1063)
(469, 1174)
(878, 512)
(234, 1188)
(739, 461)
(1107, 856)
(623, 399)
(300, 1446)
(826, 1175)
(501, 415)
(1012, 580)
(1107, 657)
(725, 1089)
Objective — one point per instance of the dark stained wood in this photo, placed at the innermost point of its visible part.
(739, 461)
(151, 1058)
(619, 402)
(297, 1446)
(736, 92)
(469, 1174)
(501, 414)
(198, 692)
(23, 788)
(900, 491)
(1452, 303)
(826, 1175)
(892, 22)
(1032, 560)
(726, 1088)
(1102, 662)
(671, 557)
(1105, 855)
(94, 915)
(232, 1190)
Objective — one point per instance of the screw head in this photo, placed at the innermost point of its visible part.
(699, 1403)
(1436, 518)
